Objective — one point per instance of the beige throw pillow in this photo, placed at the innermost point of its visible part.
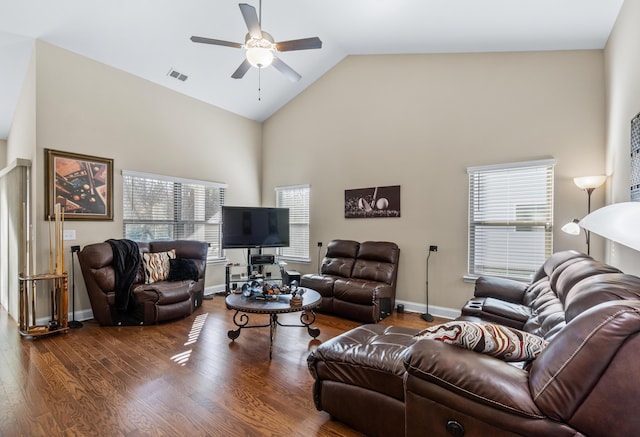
(156, 265)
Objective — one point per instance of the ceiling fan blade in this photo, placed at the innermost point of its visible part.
(216, 42)
(251, 18)
(299, 44)
(283, 68)
(241, 70)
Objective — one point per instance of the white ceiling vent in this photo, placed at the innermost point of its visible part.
(177, 75)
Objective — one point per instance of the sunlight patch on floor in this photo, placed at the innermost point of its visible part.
(192, 338)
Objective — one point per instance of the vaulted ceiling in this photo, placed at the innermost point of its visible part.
(150, 38)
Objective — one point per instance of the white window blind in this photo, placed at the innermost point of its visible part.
(510, 218)
(159, 207)
(296, 198)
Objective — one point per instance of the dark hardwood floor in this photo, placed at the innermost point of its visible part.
(183, 378)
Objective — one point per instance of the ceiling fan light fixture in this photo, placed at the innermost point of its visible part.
(259, 57)
(260, 51)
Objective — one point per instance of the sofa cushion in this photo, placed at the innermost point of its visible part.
(369, 356)
(164, 292)
(508, 344)
(156, 265)
(360, 291)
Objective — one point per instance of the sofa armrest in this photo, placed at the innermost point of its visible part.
(164, 292)
(471, 375)
(500, 288)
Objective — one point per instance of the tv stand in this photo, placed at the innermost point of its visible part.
(251, 267)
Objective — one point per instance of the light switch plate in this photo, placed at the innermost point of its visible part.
(69, 234)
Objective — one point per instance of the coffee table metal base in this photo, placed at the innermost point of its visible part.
(241, 320)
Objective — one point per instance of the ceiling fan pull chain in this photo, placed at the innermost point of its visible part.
(259, 84)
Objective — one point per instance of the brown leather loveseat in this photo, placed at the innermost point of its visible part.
(152, 302)
(386, 381)
(357, 280)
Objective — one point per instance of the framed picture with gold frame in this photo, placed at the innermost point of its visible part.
(81, 184)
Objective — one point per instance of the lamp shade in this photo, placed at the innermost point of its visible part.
(572, 228)
(619, 222)
(586, 182)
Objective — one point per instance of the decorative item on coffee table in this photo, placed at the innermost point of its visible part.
(296, 299)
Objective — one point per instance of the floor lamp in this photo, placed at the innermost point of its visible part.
(426, 316)
(588, 184)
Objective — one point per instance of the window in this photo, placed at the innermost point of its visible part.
(510, 218)
(167, 208)
(296, 198)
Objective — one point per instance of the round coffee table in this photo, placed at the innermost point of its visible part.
(258, 304)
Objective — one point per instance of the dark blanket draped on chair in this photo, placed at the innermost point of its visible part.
(126, 261)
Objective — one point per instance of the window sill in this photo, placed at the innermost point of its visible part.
(216, 262)
(470, 279)
(294, 260)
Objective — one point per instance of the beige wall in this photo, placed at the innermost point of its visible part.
(419, 121)
(622, 66)
(413, 120)
(87, 107)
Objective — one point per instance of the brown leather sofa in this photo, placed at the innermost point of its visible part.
(153, 303)
(357, 280)
(383, 381)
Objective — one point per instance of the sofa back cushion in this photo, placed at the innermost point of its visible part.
(547, 312)
(596, 289)
(96, 260)
(377, 261)
(556, 260)
(565, 277)
(547, 297)
(340, 258)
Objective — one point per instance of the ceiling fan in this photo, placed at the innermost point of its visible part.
(260, 47)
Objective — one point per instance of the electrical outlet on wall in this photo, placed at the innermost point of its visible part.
(433, 248)
(319, 243)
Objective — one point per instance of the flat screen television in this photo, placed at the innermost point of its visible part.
(246, 227)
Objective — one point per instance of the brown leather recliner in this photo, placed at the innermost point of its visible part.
(383, 381)
(153, 303)
(357, 280)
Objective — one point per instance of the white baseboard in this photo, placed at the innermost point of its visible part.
(444, 312)
(214, 289)
(81, 315)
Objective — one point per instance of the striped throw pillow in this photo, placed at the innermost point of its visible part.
(508, 344)
(156, 265)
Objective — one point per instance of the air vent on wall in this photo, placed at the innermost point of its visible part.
(177, 75)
